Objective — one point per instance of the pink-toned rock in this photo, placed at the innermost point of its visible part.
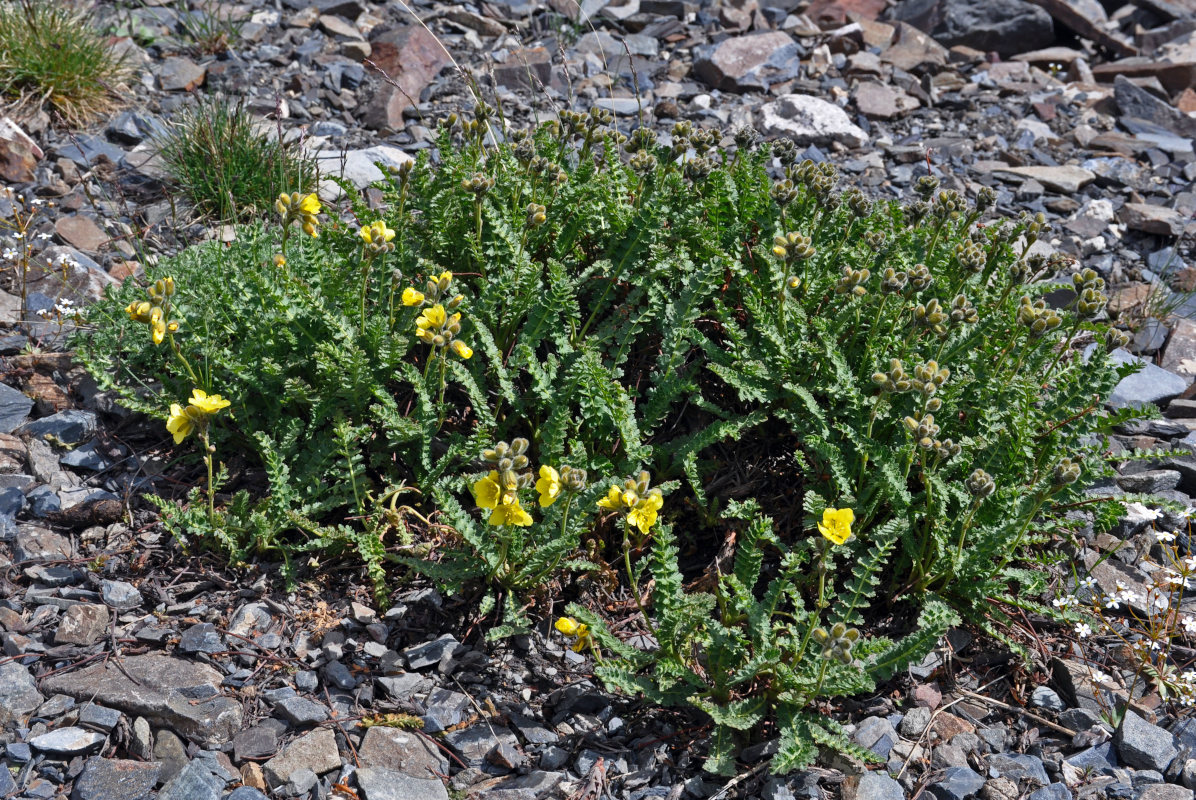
(745, 63)
(411, 57)
(1180, 354)
(880, 101)
(18, 153)
(914, 51)
(81, 233)
(180, 74)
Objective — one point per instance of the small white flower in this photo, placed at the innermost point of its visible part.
(45, 236)
(1164, 536)
(18, 235)
(1100, 677)
(37, 201)
(1083, 630)
(1189, 624)
(1190, 563)
(45, 313)
(1065, 602)
(11, 255)
(1113, 602)
(1088, 582)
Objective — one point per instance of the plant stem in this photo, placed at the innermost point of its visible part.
(208, 457)
(635, 591)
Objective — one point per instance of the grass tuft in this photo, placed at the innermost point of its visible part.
(50, 55)
(226, 165)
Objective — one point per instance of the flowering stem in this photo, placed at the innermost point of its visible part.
(635, 590)
(365, 282)
(440, 397)
(178, 352)
(817, 616)
(209, 454)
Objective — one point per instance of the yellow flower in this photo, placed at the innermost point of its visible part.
(207, 403)
(613, 499)
(412, 297)
(461, 349)
(158, 331)
(376, 233)
(430, 318)
(579, 631)
(488, 493)
(549, 486)
(445, 277)
(310, 204)
(643, 516)
(139, 312)
(280, 260)
(836, 524)
(510, 514)
(179, 423)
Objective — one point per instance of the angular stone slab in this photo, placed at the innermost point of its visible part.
(162, 696)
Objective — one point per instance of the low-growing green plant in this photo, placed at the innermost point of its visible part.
(762, 343)
(210, 30)
(227, 165)
(51, 55)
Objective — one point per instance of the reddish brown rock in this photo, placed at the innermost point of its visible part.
(879, 101)
(1158, 220)
(1175, 75)
(410, 58)
(914, 51)
(18, 153)
(830, 14)
(1180, 354)
(81, 233)
(48, 395)
(528, 68)
(181, 74)
(744, 63)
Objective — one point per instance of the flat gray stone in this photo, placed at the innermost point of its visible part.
(1149, 385)
(32, 543)
(171, 692)
(1018, 767)
(109, 778)
(120, 595)
(82, 624)
(878, 786)
(315, 751)
(1143, 745)
(401, 751)
(70, 741)
(69, 427)
(18, 691)
(14, 408)
(194, 782)
(377, 783)
(957, 783)
(300, 711)
(429, 654)
(1065, 180)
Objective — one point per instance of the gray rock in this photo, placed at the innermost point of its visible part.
(1165, 791)
(1054, 791)
(194, 782)
(1007, 26)
(14, 408)
(474, 742)
(1150, 218)
(120, 595)
(250, 619)
(82, 624)
(1149, 385)
(69, 427)
(1149, 482)
(402, 751)
(445, 709)
(300, 711)
(1144, 746)
(180, 74)
(914, 722)
(1134, 101)
(260, 741)
(99, 717)
(201, 638)
(1018, 768)
(32, 543)
(18, 690)
(170, 751)
(360, 166)
(1064, 180)
(315, 751)
(12, 502)
(108, 778)
(70, 741)
(165, 692)
(8, 786)
(338, 675)
(878, 786)
(748, 63)
(809, 120)
(93, 456)
(957, 783)
(430, 653)
(141, 742)
(245, 793)
(301, 782)
(876, 734)
(377, 783)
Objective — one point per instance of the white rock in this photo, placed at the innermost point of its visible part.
(809, 120)
(358, 166)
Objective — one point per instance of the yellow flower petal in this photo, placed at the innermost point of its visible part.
(178, 423)
(207, 403)
(510, 514)
(836, 524)
(613, 499)
(310, 204)
(462, 349)
(412, 297)
(643, 518)
(568, 626)
(549, 486)
(487, 492)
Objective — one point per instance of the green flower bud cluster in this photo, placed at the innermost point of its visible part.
(746, 137)
(537, 215)
(703, 141)
(1037, 317)
(986, 198)
(642, 139)
(698, 169)
(915, 212)
(893, 281)
(962, 311)
(948, 204)
(1092, 298)
(946, 449)
(785, 150)
(525, 151)
(925, 186)
(920, 277)
(929, 377)
(853, 281)
(793, 246)
(858, 202)
(895, 380)
(783, 192)
(511, 463)
(479, 184)
(574, 479)
(1066, 471)
(932, 315)
(1115, 339)
(980, 484)
(970, 256)
(546, 167)
(1035, 226)
(643, 163)
(682, 131)
(874, 239)
(924, 430)
(836, 644)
